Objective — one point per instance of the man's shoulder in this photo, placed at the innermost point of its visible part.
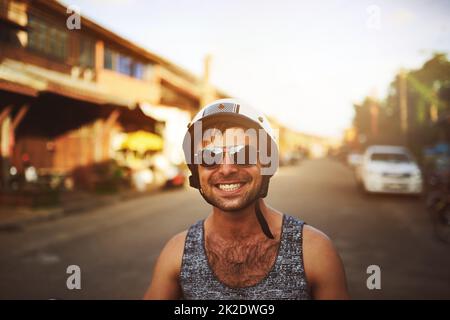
(314, 236)
(176, 243)
(317, 242)
(172, 253)
(319, 253)
(323, 265)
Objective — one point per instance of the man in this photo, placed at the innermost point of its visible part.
(244, 249)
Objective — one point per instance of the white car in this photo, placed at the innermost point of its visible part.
(389, 169)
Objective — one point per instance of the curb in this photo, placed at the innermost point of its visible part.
(42, 215)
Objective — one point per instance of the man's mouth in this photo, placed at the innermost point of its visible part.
(229, 187)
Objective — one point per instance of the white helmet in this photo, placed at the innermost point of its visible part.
(234, 108)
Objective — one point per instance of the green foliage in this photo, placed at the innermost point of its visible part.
(425, 87)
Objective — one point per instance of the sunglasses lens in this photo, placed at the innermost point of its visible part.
(241, 155)
(245, 156)
(210, 158)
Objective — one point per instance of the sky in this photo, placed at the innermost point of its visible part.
(305, 63)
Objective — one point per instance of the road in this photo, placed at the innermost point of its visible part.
(116, 246)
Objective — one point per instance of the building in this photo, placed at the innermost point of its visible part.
(66, 91)
(294, 145)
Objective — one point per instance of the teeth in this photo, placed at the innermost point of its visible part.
(230, 187)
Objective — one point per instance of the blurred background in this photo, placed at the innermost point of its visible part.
(95, 97)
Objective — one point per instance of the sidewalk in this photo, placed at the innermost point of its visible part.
(15, 218)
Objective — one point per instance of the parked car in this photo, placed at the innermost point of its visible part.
(354, 159)
(437, 188)
(437, 179)
(170, 174)
(291, 158)
(175, 177)
(389, 169)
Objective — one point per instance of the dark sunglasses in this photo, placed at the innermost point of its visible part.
(241, 155)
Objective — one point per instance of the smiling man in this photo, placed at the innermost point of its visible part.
(244, 249)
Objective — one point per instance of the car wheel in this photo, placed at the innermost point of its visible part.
(364, 189)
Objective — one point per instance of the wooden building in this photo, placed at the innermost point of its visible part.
(65, 91)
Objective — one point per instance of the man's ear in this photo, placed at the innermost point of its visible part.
(194, 180)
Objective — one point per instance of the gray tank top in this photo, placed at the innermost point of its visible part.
(286, 279)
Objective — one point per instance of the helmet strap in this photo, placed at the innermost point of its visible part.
(262, 221)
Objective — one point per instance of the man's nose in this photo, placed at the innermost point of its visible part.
(228, 166)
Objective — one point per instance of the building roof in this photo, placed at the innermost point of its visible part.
(136, 49)
(37, 79)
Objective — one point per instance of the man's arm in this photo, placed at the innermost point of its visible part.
(323, 266)
(165, 280)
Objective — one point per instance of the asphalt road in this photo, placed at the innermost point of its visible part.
(116, 246)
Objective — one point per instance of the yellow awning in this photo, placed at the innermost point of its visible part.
(142, 141)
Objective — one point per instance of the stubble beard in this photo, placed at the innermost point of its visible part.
(234, 205)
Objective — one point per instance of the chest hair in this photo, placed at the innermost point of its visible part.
(241, 262)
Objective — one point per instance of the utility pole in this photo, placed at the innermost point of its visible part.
(374, 113)
(207, 94)
(374, 119)
(403, 103)
(434, 110)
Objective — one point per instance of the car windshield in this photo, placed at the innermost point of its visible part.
(391, 157)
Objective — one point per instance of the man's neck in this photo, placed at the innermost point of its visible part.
(237, 224)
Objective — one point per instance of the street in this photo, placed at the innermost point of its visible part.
(116, 246)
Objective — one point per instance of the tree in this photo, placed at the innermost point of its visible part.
(427, 99)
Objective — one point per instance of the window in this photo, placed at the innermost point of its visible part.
(108, 59)
(124, 64)
(138, 70)
(46, 39)
(390, 157)
(9, 36)
(87, 52)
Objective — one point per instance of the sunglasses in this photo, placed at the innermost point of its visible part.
(241, 155)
